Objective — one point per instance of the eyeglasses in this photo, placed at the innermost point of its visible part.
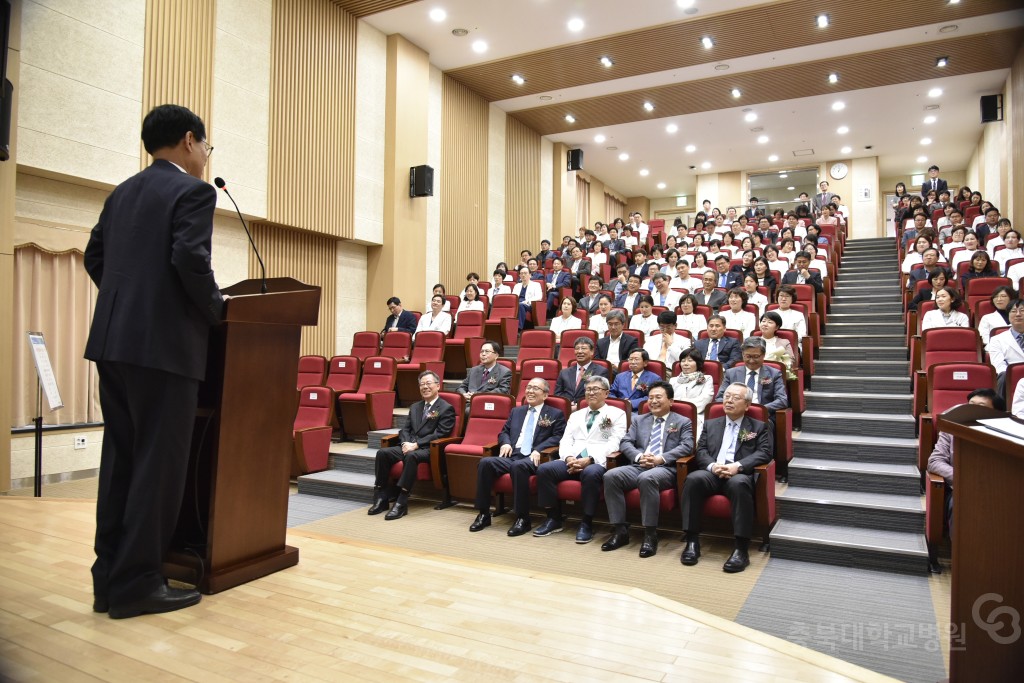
(208, 146)
(594, 390)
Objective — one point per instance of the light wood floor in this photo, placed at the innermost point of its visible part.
(354, 610)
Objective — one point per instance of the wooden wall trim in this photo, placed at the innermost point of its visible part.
(522, 189)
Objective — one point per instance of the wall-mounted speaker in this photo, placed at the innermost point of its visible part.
(991, 108)
(6, 98)
(421, 181)
(574, 160)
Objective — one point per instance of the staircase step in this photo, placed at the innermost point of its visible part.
(865, 306)
(858, 402)
(897, 369)
(859, 509)
(894, 317)
(858, 383)
(374, 437)
(892, 551)
(850, 353)
(853, 285)
(352, 486)
(846, 334)
(862, 449)
(847, 475)
(855, 424)
(360, 460)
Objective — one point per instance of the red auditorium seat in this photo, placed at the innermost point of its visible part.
(311, 431)
(948, 385)
(545, 368)
(459, 456)
(502, 324)
(535, 344)
(427, 354)
(311, 371)
(372, 405)
(397, 345)
(456, 356)
(365, 344)
(343, 374)
(567, 346)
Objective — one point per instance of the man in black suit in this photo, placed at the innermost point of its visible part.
(711, 296)
(490, 377)
(934, 182)
(528, 431)
(801, 275)
(615, 244)
(751, 212)
(767, 384)
(729, 449)
(571, 384)
(590, 301)
(823, 198)
(717, 346)
(724, 276)
(545, 252)
(429, 419)
(930, 258)
(400, 319)
(577, 267)
(630, 299)
(615, 346)
(149, 254)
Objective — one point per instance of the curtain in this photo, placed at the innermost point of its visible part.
(613, 208)
(582, 203)
(53, 295)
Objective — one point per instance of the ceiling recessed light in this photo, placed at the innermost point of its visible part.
(790, 188)
(460, 32)
(691, 148)
(611, 149)
(661, 186)
(517, 79)
(948, 28)
(846, 150)
(935, 92)
(736, 92)
(438, 14)
(926, 141)
(922, 159)
(644, 172)
(822, 20)
(833, 78)
(570, 118)
(773, 158)
(932, 107)
(762, 139)
(575, 25)
(671, 128)
(623, 157)
(707, 42)
(843, 130)
(685, 4)
(648, 106)
(783, 175)
(941, 62)
(929, 119)
(954, 2)
(750, 117)
(706, 164)
(838, 106)
(599, 138)
(721, 67)
(607, 62)
(479, 46)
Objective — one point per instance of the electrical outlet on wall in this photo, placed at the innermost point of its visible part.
(80, 443)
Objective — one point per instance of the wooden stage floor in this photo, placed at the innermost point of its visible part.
(353, 610)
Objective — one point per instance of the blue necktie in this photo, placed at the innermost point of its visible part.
(750, 381)
(713, 355)
(527, 446)
(654, 448)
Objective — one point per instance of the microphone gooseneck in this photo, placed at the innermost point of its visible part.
(219, 182)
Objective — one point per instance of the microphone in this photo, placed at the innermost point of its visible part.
(219, 182)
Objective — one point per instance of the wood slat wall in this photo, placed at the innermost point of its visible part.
(522, 189)
(363, 8)
(1015, 88)
(311, 259)
(463, 183)
(178, 59)
(311, 174)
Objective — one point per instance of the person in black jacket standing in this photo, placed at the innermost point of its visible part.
(149, 255)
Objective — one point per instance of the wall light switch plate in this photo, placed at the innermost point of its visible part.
(80, 443)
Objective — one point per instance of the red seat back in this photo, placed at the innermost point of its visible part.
(949, 383)
(397, 345)
(343, 375)
(563, 403)
(950, 345)
(982, 287)
(487, 415)
(429, 347)
(755, 411)
(457, 401)
(684, 408)
(545, 368)
(1014, 373)
(311, 371)
(471, 324)
(379, 374)
(566, 348)
(535, 344)
(655, 366)
(315, 406)
(504, 306)
(365, 344)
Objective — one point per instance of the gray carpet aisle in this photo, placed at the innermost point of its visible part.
(304, 508)
(879, 620)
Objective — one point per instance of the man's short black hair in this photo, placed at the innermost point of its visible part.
(933, 167)
(394, 301)
(670, 393)
(997, 401)
(167, 124)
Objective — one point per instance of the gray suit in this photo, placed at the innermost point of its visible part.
(498, 382)
(771, 386)
(821, 199)
(677, 441)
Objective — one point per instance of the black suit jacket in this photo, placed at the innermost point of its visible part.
(422, 429)
(406, 323)
(717, 299)
(728, 350)
(627, 344)
(584, 268)
(940, 186)
(589, 303)
(751, 452)
(790, 276)
(566, 386)
(149, 254)
(615, 246)
(544, 435)
(733, 279)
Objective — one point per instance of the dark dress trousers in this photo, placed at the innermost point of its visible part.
(420, 429)
(149, 254)
(548, 430)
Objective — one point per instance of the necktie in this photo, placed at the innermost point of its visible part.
(933, 183)
(714, 350)
(487, 375)
(579, 374)
(721, 280)
(662, 299)
(527, 446)
(591, 417)
(1020, 341)
(522, 294)
(750, 382)
(654, 448)
(632, 385)
(728, 449)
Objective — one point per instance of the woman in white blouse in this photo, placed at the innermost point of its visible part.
(565, 320)
(597, 322)
(470, 301)
(970, 246)
(735, 317)
(957, 240)
(437, 319)
(753, 296)
(688, 318)
(597, 257)
(692, 385)
(792, 319)
(788, 251)
(439, 289)
(771, 322)
(945, 314)
(915, 255)
(644, 320)
(1001, 298)
(699, 264)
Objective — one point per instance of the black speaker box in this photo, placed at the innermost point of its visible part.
(574, 160)
(421, 181)
(6, 98)
(991, 108)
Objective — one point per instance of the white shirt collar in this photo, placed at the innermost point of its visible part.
(177, 167)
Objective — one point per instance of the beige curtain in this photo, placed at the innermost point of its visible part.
(582, 204)
(613, 208)
(53, 295)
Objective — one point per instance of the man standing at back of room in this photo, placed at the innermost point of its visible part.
(149, 254)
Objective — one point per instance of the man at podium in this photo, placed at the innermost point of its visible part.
(149, 255)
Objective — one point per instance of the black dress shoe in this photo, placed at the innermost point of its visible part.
(397, 511)
(100, 605)
(482, 521)
(737, 562)
(380, 504)
(784, 479)
(617, 540)
(649, 547)
(521, 526)
(691, 553)
(163, 599)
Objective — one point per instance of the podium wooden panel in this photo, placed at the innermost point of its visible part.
(987, 601)
(234, 515)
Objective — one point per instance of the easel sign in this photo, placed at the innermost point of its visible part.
(47, 382)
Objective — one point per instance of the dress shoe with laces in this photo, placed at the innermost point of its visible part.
(737, 562)
(649, 547)
(585, 534)
(616, 541)
(482, 521)
(691, 553)
(380, 504)
(550, 526)
(163, 599)
(397, 511)
(521, 526)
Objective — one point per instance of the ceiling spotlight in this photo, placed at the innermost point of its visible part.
(517, 79)
(721, 67)
(644, 172)
(843, 130)
(941, 62)
(648, 106)
(935, 92)
(671, 128)
(846, 150)
(569, 118)
(783, 175)
(926, 141)
(762, 139)
(575, 25)
(750, 117)
(736, 92)
(838, 106)
(707, 42)
(438, 14)
(949, 28)
(479, 46)
(922, 159)
(790, 188)
(623, 157)
(607, 62)
(691, 148)
(954, 2)
(773, 158)
(929, 119)
(822, 20)
(685, 4)
(706, 164)
(833, 78)
(599, 138)
(661, 186)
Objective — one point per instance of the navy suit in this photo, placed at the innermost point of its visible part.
(406, 323)
(770, 383)
(621, 387)
(420, 429)
(627, 344)
(732, 279)
(548, 430)
(566, 386)
(620, 301)
(940, 187)
(790, 278)
(560, 279)
(728, 350)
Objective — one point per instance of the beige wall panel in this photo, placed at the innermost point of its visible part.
(641, 204)
(707, 188)
(522, 189)
(312, 117)
(546, 191)
(59, 454)
(8, 177)
(351, 302)
(1013, 103)
(497, 190)
(435, 131)
(994, 179)
(730, 189)
(563, 195)
(230, 250)
(48, 201)
(866, 219)
(464, 184)
(371, 96)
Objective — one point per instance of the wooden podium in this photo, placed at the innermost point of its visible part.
(987, 601)
(234, 516)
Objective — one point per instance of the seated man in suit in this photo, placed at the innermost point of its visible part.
(717, 346)
(529, 430)
(590, 437)
(578, 266)
(930, 258)
(632, 386)
(429, 419)
(650, 448)
(544, 253)
(553, 283)
(1008, 347)
(528, 291)
(729, 449)
(766, 383)
(800, 275)
(590, 301)
(615, 346)
(639, 266)
(489, 377)
(666, 346)
(724, 276)
(710, 295)
(630, 299)
(571, 383)
(614, 244)
(400, 319)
